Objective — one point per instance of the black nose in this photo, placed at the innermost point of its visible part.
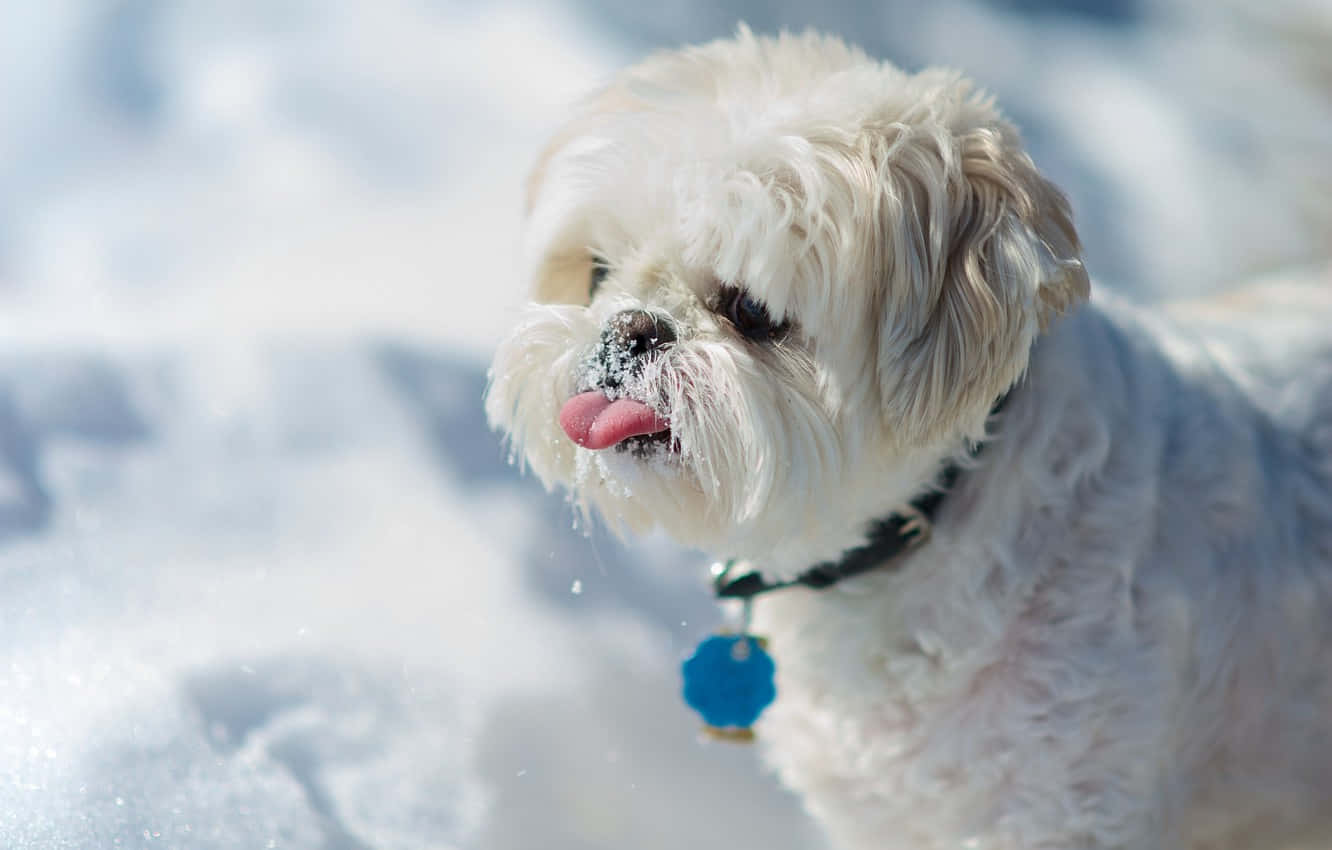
(627, 339)
(638, 332)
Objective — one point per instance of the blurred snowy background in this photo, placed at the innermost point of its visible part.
(265, 577)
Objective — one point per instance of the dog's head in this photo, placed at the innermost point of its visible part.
(776, 284)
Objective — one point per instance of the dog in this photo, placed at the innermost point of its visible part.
(783, 291)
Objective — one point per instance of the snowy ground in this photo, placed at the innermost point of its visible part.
(265, 577)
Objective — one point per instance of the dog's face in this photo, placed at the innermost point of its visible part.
(776, 284)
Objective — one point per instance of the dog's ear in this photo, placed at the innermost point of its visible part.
(995, 259)
(1011, 234)
(1011, 202)
(555, 239)
(613, 99)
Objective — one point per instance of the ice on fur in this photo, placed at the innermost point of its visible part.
(810, 276)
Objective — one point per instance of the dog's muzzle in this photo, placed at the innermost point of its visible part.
(604, 412)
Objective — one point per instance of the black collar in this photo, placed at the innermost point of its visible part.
(890, 537)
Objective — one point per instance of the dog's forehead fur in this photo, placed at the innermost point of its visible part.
(731, 155)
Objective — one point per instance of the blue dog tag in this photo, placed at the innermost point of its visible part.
(728, 680)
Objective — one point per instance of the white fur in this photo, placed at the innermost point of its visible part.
(1120, 634)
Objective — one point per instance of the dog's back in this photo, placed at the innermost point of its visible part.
(1260, 622)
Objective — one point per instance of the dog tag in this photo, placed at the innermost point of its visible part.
(728, 680)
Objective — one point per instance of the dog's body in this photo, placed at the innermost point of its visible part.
(1120, 634)
(781, 289)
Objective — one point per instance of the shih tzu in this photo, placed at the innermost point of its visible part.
(785, 294)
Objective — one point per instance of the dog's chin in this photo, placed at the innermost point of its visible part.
(643, 483)
(646, 484)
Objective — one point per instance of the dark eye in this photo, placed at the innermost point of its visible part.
(749, 315)
(599, 271)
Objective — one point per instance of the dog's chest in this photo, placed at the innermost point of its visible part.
(875, 720)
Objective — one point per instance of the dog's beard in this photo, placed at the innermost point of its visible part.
(749, 440)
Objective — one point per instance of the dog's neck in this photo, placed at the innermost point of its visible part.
(888, 539)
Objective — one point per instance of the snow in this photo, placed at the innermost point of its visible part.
(266, 578)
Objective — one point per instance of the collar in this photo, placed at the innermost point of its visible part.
(889, 539)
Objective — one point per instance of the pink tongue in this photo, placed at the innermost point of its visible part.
(595, 422)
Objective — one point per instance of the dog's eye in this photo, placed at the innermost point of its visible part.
(600, 269)
(749, 315)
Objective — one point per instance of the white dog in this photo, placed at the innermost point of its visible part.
(780, 290)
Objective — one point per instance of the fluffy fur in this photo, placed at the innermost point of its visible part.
(1119, 635)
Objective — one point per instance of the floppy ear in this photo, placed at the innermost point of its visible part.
(555, 238)
(1012, 229)
(614, 98)
(995, 260)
